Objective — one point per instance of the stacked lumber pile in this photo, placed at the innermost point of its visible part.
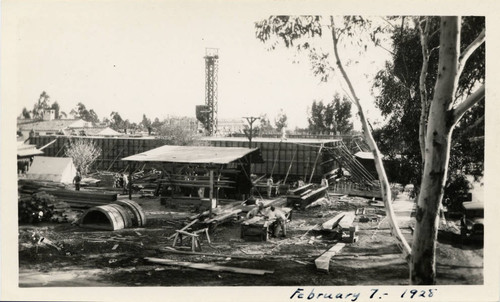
(76, 199)
(26, 186)
(199, 181)
(224, 213)
(83, 199)
(146, 180)
(301, 197)
(185, 203)
(107, 179)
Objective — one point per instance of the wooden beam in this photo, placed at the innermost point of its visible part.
(323, 261)
(209, 267)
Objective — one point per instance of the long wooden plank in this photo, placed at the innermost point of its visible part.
(323, 262)
(331, 223)
(209, 267)
(255, 257)
(221, 217)
(347, 220)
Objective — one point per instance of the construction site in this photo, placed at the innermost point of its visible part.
(225, 211)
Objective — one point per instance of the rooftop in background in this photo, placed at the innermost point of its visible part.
(196, 155)
(38, 125)
(27, 150)
(273, 140)
(54, 125)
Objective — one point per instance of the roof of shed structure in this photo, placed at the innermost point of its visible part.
(25, 150)
(196, 155)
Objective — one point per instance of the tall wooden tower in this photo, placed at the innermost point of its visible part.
(211, 75)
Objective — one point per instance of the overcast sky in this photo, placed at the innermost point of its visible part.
(147, 58)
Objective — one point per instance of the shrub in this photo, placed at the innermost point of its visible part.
(84, 153)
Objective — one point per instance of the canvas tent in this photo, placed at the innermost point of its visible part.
(57, 169)
(108, 132)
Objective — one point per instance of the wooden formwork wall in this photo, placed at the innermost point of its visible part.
(278, 156)
(113, 149)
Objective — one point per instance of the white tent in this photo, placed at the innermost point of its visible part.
(109, 132)
(57, 169)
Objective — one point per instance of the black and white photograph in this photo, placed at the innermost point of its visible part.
(249, 150)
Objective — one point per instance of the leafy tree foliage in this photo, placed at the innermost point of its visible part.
(86, 115)
(398, 99)
(116, 121)
(26, 113)
(264, 125)
(332, 118)
(156, 124)
(176, 134)
(281, 121)
(41, 105)
(146, 123)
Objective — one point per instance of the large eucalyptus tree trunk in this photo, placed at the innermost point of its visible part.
(437, 154)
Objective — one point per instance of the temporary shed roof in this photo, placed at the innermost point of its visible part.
(57, 169)
(196, 155)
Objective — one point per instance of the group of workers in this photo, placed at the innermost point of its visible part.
(270, 213)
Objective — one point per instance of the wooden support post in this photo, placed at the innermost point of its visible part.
(316, 162)
(130, 183)
(211, 193)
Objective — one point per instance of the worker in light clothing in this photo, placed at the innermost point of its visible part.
(324, 182)
(280, 222)
(270, 183)
(125, 183)
(257, 211)
(300, 183)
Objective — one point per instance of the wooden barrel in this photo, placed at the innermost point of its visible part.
(126, 215)
(138, 218)
(103, 218)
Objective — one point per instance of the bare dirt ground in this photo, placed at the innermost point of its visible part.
(80, 257)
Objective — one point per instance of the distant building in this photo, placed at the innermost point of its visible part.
(48, 125)
(230, 126)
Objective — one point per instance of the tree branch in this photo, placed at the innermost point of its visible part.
(470, 101)
(387, 21)
(384, 182)
(462, 59)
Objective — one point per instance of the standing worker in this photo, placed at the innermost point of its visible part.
(77, 181)
(270, 183)
(125, 183)
(300, 183)
(324, 182)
